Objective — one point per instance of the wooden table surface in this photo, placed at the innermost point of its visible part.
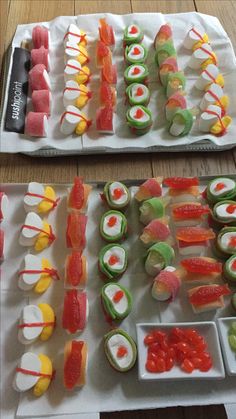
(19, 168)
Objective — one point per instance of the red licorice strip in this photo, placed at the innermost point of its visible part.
(50, 235)
(198, 34)
(209, 53)
(89, 94)
(38, 324)
(78, 68)
(79, 50)
(35, 373)
(51, 271)
(82, 37)
(219, 119)
(45, 198)
(217, 99)
(209, 75)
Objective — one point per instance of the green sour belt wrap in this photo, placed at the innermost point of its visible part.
(172, 77)
(164, 51)
(150, 209)
(109, 199)
(159, 256)
(128, 40)
(110, 271)
(227, 219)
(185, 117)
(139, 127)
(132, 58)
(135, 76)
(109, 355)
(220, 196)
(110, 306)
(138, 100)
(230, 269)
(226, 241)
(123, 227)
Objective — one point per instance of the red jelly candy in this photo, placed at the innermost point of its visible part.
(136, 51)
(118, 296)
(139, 91)
(135, 71)
(169, 363)
(133, 30)
(121, 351)
(112, 221)
(139, 113)
(113, 259)
(149, 339)
(151, 366)
(160, 365)
(117, 193)
(187, 366)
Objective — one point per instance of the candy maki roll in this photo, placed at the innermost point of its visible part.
(113, 226)
(220, 189)
(189, 213)
(112, 261)
(230, 269)
(158, 257)
(132, 34)
(166, 285)
(149, 189)
(75, 364)
(163, 35)
(40, 198)
(136, 73)
(175, 83)
(200, 269)
(40, 36)
(78, 195)
(36, 124)
(225, 212)
(137, 94)
(207, 297)
(157, 230)
(39, 78)
(152, 208)
(135, 53)
(182, 188)
(226, 241)
(163, 52)
(168, 66)
(139, 119)
(116, 195)
(120, 350)
(116, 301)
(75, 311)
(175, 103)
(36, 321)
(181, 123)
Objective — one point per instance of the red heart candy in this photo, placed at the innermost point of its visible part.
(136, 70)
(139, 91)
(139, 113)
(133, 30)
(136, 51)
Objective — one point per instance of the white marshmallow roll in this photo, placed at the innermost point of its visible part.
(31, 362)
(193, 36)
(69, 120)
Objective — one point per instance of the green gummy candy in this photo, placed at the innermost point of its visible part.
(184, 116)
(232, 342)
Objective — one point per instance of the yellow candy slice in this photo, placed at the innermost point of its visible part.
(48, 316)
(82, 76)
(44, 205)
(43, 383)
(83, 55)
(204, 40)
(45, 278)
(81, 127)
(216, 129)
(83, 97)
(43, 239)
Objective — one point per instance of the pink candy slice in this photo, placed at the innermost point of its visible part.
(36, 124)
(41, 101)
(38, 78)
(40, 56)
(40, 36)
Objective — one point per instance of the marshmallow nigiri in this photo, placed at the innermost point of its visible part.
(40, 198)
(75, 35)
(211, 120)
(72, 120)
(36, 232)
(36, 274)
(74, 71)
(75, 94)
(77, 52)
(202, 56)
(215, 96)
(36, 321)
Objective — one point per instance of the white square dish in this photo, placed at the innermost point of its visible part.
(228, 354)
(207, 329)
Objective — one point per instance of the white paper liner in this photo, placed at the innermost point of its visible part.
(123, 139)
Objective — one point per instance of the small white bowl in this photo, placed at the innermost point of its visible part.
(207, 329)
(229, 355)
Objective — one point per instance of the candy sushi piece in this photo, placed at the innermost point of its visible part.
(75, 35)
(137, 94)
(116, 195)
(139, 119)
(76, 52)
(209, 75)
(107, 95)
(33, 372)
(102, 51)
(116, 301)
(41, 101)
(168, 66)
(36, 232)
(189, 213)
(209, 117)
(230, 269)
(120, 350)
(112, 261)
(175, 103)
(163, 52)
(106, 33)
(207, 297)
(4, 202)
(75, 311)
(202, 56)
(220, 189)
(36, 124)
(75, 94)
(75, 364)
(157, 230)
(200, 269)
(104, 120)
(193, 240)
(40, 198)
(78, 195)
(181, 123)
(195, 38)
(36, 274)
(39, 78)
(40, 36)
(135, 53)
(158, 257)
(109, 71)
(132, 34)
(76, 269)
(182, 189)
(152, 208)
(36, 321)
(74, 121)
(136, 73)
(2, 240)
(163, 35)
(166, 285)
(215, 96)
(151, 188)
(113, 226)
(226, 241)
(40, 56)
(75, 231)
(175, 83)
(74, 71)
(225, 212)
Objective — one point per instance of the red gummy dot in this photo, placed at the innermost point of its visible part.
(151, 366)
(113, 259)
(152, 356)
(133, 30)
(154, 347)
(136, 51)
(149, 339)
(112, 221)
(196, 362)
(231, 208)
(187, 366)
(206, 365)
(232, 242)
(159, 336)
(118, 296)
(219, 186)
(161, 354)
(169, 363)
(121, 351)
(136, 71)
(183, 347)
(139, 91)
(117, 193)
(161, 365)
(139, 113)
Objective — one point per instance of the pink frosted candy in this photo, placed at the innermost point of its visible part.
(41, 101)
(157, 230)
(1, 244)
(36, 124)
(153, 187)
(40, 56)
(179, 99)
(165, 30)
(40, 36)
(38, 78)
(171, 62)
(170, 280)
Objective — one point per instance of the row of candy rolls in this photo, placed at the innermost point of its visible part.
(191, 217)
(76, 307)
(37, 321)
(36, 124)
(77, 75)
(214, 103)
(157, 238)
(3, 214)
(180, 119)
(107, 91)
(120, 349)
(138, 116)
